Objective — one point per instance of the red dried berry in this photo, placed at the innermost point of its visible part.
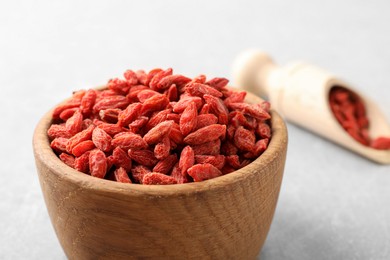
(188, 119)
(110, 115)
(121, 175)
(110, 102)
(75, 123)
(138, 124)
(67, 113)
(205, 120)
(217, 83)
(67, 159)
(165, 166)
(187, 159)
(131, 77)
(197, 89)
(101, 139)
(201, 172)
(129, 140)
(55, 131)
(216, 160)
(161, 150)
(209, 148)
(121, 159)
(158, 132)
(59, 144)
(218, 108)
(184, 102)
(154, 103)
(158, 77)
(81, 163)
(82, 147)
(244, 139)
(138, 173)
(155, 178)
(87, 102)
(382, 143)
(205, 134)
(97, 163)
(129, 114)
(167, 81)
(176, 174)
(143, 157)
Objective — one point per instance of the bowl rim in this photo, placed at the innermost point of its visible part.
(44, 153)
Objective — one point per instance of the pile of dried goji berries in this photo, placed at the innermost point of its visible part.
(350, 112)
(159, 128)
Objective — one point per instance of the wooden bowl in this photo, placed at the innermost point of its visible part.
(223, 218)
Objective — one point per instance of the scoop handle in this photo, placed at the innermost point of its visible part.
(300, 92)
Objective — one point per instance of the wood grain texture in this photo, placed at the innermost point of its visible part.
(224, 218)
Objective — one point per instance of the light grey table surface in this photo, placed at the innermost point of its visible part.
(333, 204)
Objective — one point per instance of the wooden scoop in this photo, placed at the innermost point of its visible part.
(300, 92)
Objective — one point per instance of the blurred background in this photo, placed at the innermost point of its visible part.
(333, 204)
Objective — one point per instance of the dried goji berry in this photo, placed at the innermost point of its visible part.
(67, 159)
(138, 124)
(129, 114)
(82, 147)
(158, 132)
(187, 159)
(201, 172)
(129, 140)
(167, 81)
(263, 130)
(59, 144)
(188, 119)
(209, 148)
(234, 161)
(67, 113)
(111, 129)
(172, 93)
(184, 101)
(97, 163)
(82, 163)
(218, 108)
(110, 102)
(121, 175)
(217, 83)
(161, 150)
(156, 178)
(142, 77)
(158, 77)
(118, 85)
(176, 174)
(131, 77)
(165, 166)
(143, 157)
(75, 123)
(121, 159)
(244, 139)
(55, 131)
(145, 94)
(197, 89)
(101, 139)
(138, 173)
(157, 118)
(110, 115)
(154, 103)
(216, 160)
(206, 134)
(87, 102)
